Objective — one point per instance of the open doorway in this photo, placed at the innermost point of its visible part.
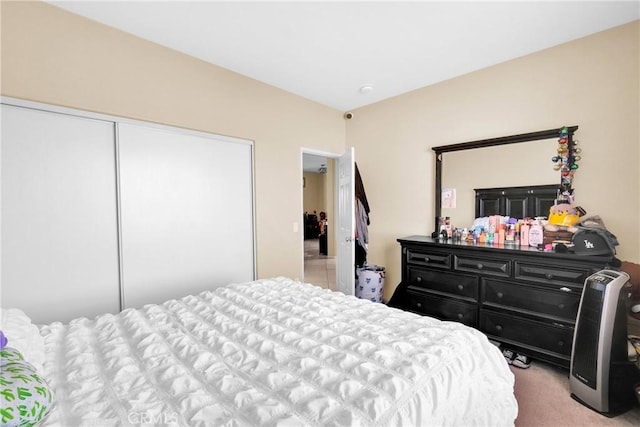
(319, 219)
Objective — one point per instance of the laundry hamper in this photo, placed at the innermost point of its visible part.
(370, 283)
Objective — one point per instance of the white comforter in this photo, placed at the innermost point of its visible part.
(274, 352)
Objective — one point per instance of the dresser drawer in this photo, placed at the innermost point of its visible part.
(558, 276)
(483, 265)
(449, 283)
(429, 259)
(536, 300)
(442, 308)
(548, 337)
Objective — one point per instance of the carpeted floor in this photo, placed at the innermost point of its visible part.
(544, 400)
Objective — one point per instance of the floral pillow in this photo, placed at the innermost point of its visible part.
(25, 397)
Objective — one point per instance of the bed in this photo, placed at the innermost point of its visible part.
(274, 352)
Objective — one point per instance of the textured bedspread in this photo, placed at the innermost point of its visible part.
(274, 352)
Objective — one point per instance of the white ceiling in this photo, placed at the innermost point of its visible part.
(313, 163)
(326, 51)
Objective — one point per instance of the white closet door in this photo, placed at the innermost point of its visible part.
(186, 213)
(59, 218)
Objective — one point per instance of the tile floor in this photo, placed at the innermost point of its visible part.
(319, 269)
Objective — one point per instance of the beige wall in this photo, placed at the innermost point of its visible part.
(314, 193)
(55, 57)
(591, 82)
(52, 56)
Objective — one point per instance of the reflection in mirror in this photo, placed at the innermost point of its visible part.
(522, 164)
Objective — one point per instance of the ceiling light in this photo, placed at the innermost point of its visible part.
(366, 89)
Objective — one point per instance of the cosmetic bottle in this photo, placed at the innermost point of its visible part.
(524, 234)
(536, 234)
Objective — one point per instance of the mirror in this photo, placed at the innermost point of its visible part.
(515, 165)
(517, 160)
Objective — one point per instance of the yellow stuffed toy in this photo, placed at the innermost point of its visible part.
(562, 217)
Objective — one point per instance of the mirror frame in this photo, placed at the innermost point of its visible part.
(504, 140)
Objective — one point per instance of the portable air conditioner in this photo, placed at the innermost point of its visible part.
(602, 377)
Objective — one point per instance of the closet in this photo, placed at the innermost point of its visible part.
(59, 218)
(101, 213)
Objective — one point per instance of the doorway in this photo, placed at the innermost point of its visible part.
(319, 219)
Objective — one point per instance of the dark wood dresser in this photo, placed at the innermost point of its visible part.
(522, 297)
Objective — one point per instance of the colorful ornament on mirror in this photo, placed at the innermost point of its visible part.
(565, 160)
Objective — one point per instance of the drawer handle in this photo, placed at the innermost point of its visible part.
(479, 266)
(460, 316)
(499, 328)
(565, 289)
(500, 294)
(423, 259)
(419, 304)
(460, 287)
(419, 279)
(560, 343)
(561, 306)
(549, 276)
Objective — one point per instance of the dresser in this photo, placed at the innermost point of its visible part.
(519, 296)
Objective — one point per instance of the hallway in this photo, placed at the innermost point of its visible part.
(319, 270)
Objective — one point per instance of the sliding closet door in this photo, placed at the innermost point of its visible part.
(186, 213)
(59, 217)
